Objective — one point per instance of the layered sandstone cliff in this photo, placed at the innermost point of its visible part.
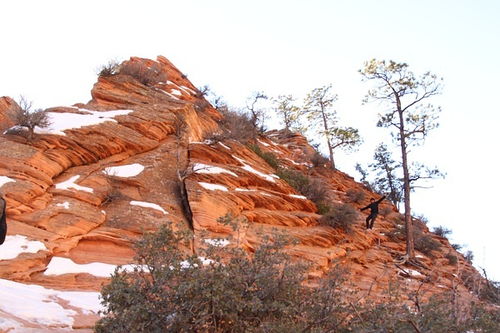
(83, 190)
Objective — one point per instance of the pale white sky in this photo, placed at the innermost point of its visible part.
(51, 49)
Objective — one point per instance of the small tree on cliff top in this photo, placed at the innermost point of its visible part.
(288, 112)
(25, 116)
(318, 108)
(408, 114)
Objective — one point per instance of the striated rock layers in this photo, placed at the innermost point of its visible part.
(104, 172)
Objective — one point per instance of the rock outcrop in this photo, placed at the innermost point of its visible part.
(83, 190)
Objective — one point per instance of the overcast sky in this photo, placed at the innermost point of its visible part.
(50, 51)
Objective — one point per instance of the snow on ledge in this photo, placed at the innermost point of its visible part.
(268, 177)
(130, 170)
(38, 305)
(4, 180)
(297, 196)
(17, 244)
(148, 205)
(213, 187)
(59, 121)
(70, 183)
(65, 204)
(210, 169)
(60, 265)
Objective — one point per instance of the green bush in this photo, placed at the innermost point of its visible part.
(441, 231)
(312, 188)
(426, 244)
(171, 291)
(269, 157)
(452, 259)
(340, 216)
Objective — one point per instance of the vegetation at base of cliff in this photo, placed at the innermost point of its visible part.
(230, 291)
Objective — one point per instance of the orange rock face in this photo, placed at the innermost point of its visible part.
(85, 191)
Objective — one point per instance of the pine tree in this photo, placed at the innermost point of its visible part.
(407, 113)
(318, 108)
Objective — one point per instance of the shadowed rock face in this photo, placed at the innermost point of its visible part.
(109, 173)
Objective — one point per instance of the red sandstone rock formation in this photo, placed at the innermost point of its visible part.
(85, 193)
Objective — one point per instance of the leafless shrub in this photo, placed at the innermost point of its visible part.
(110, 69)
(147, 75)
(237, 126)
(355, 195)
(385, 210)
(24, 116)
(113, 193)
(341, 216)
(318, 160)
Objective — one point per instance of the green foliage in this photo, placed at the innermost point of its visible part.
(341, 216)
(318, 109)
(269, 157)
(426, 244)
(452, 259)
(288, 112)
(441, 231)
(171, 291)
(312, 188)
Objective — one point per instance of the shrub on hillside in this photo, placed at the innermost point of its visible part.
(452, 259)
(110, 69)
(426, 244)
(237, 126)
(318, 160)
(269, 157)
(469, 256)
(24, 116)
(441, 231)
(312, 188)
(147, 75)
(355, 195)
(340, 216)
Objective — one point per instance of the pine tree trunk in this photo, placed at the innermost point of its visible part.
(410, 244)
(328, 139)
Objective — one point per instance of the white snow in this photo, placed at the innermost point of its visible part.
(223, 145)
(9, 325)
(188, 90)
(130, 170)
(414, 272)
(59, 122)
(258, 173)
(239, 189)
(263, 143)
(60, 265)
(17, 244)
(205, 168)
(298, 196)
(70, 183)
(64, 204)
(38, 305)
(4, 180)
(176, 92)
(148, 205)
(213, 187)
(217, 242)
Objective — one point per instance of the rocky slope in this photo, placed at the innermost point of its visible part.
(106, 171)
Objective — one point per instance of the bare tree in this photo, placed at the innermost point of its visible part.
(24, 116)
(408, 114)
(256, 113)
